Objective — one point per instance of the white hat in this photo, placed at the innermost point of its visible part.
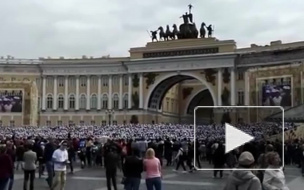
(286, 87)
(17, 98)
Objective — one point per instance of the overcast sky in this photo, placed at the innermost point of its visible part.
(72, 28)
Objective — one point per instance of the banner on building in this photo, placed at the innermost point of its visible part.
(276, 92)
(11, 101)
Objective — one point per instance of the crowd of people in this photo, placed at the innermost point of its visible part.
(147, 131)
(135, 149)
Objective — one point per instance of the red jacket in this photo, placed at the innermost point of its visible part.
(6, 166)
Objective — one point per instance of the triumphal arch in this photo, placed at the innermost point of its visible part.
(163, 81)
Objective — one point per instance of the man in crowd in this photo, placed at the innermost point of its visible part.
(61, 159)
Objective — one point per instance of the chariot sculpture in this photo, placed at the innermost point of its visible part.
(187, 30)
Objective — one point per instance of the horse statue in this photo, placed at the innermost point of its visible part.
(162, 34)
(169, 34)
(175, 32)
(202, 30)
(194, 31)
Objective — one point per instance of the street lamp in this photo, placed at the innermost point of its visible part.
(110, 112)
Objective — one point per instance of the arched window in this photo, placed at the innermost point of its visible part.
(105, 81)
(83, 102)
(115, 101)
(49, 101)
(115, 80)
(72, 101)
(104, 101)
(125, 101)
(60, 102)
(94, 101)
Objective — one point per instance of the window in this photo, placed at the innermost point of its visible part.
(60, 102)
(49, 102)
(125, 101)
(94, 80)
(172, 105)
(59, 123)
(83, 81)
(72, 81)
(104, 101)
(48, 123)
(167, 101)
(12, 123)
(114, 122)
(38, 80)
(94, 101)
(81, 122)
(14, 79)
(115, 81)
(105, 81)
(39, 103)
(71, 123)
(126, 80)
(83, 102)
(115, 101)
(240, 75)
(240, 97)
(72, 102)
(49, 81)
(104, 122)
(92, 122)
(60, 81)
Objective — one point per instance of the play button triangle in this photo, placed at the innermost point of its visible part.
(235, 138)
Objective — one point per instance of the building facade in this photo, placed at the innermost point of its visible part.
(161, 82)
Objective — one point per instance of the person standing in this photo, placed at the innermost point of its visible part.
(48, 153)
(60, 159)
(219, 160)
(274, 177)
(6, 168)
(153, 171)
(244, 179)
(132, 169)
(112, 161)
(29, 159)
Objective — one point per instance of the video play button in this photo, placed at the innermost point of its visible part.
(235, 138)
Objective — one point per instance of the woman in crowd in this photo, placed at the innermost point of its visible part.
(6, 168)
(153, 171)
(243, 179)
(274, 177)
(132, 169)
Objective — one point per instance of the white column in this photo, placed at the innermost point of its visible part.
(130, 92)
(246, 93)
(99, 93)
(120, 92)
(110, 93)
(219, 87)
(232, 87)
(66, 95)
(77, 94)
(55, 94)
(88, 93)
(43, 92)
(141, 93)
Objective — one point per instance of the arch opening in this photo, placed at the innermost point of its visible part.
(202, 98)
(159, 93)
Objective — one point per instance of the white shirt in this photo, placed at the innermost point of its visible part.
(60, 156)
(274, 179)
